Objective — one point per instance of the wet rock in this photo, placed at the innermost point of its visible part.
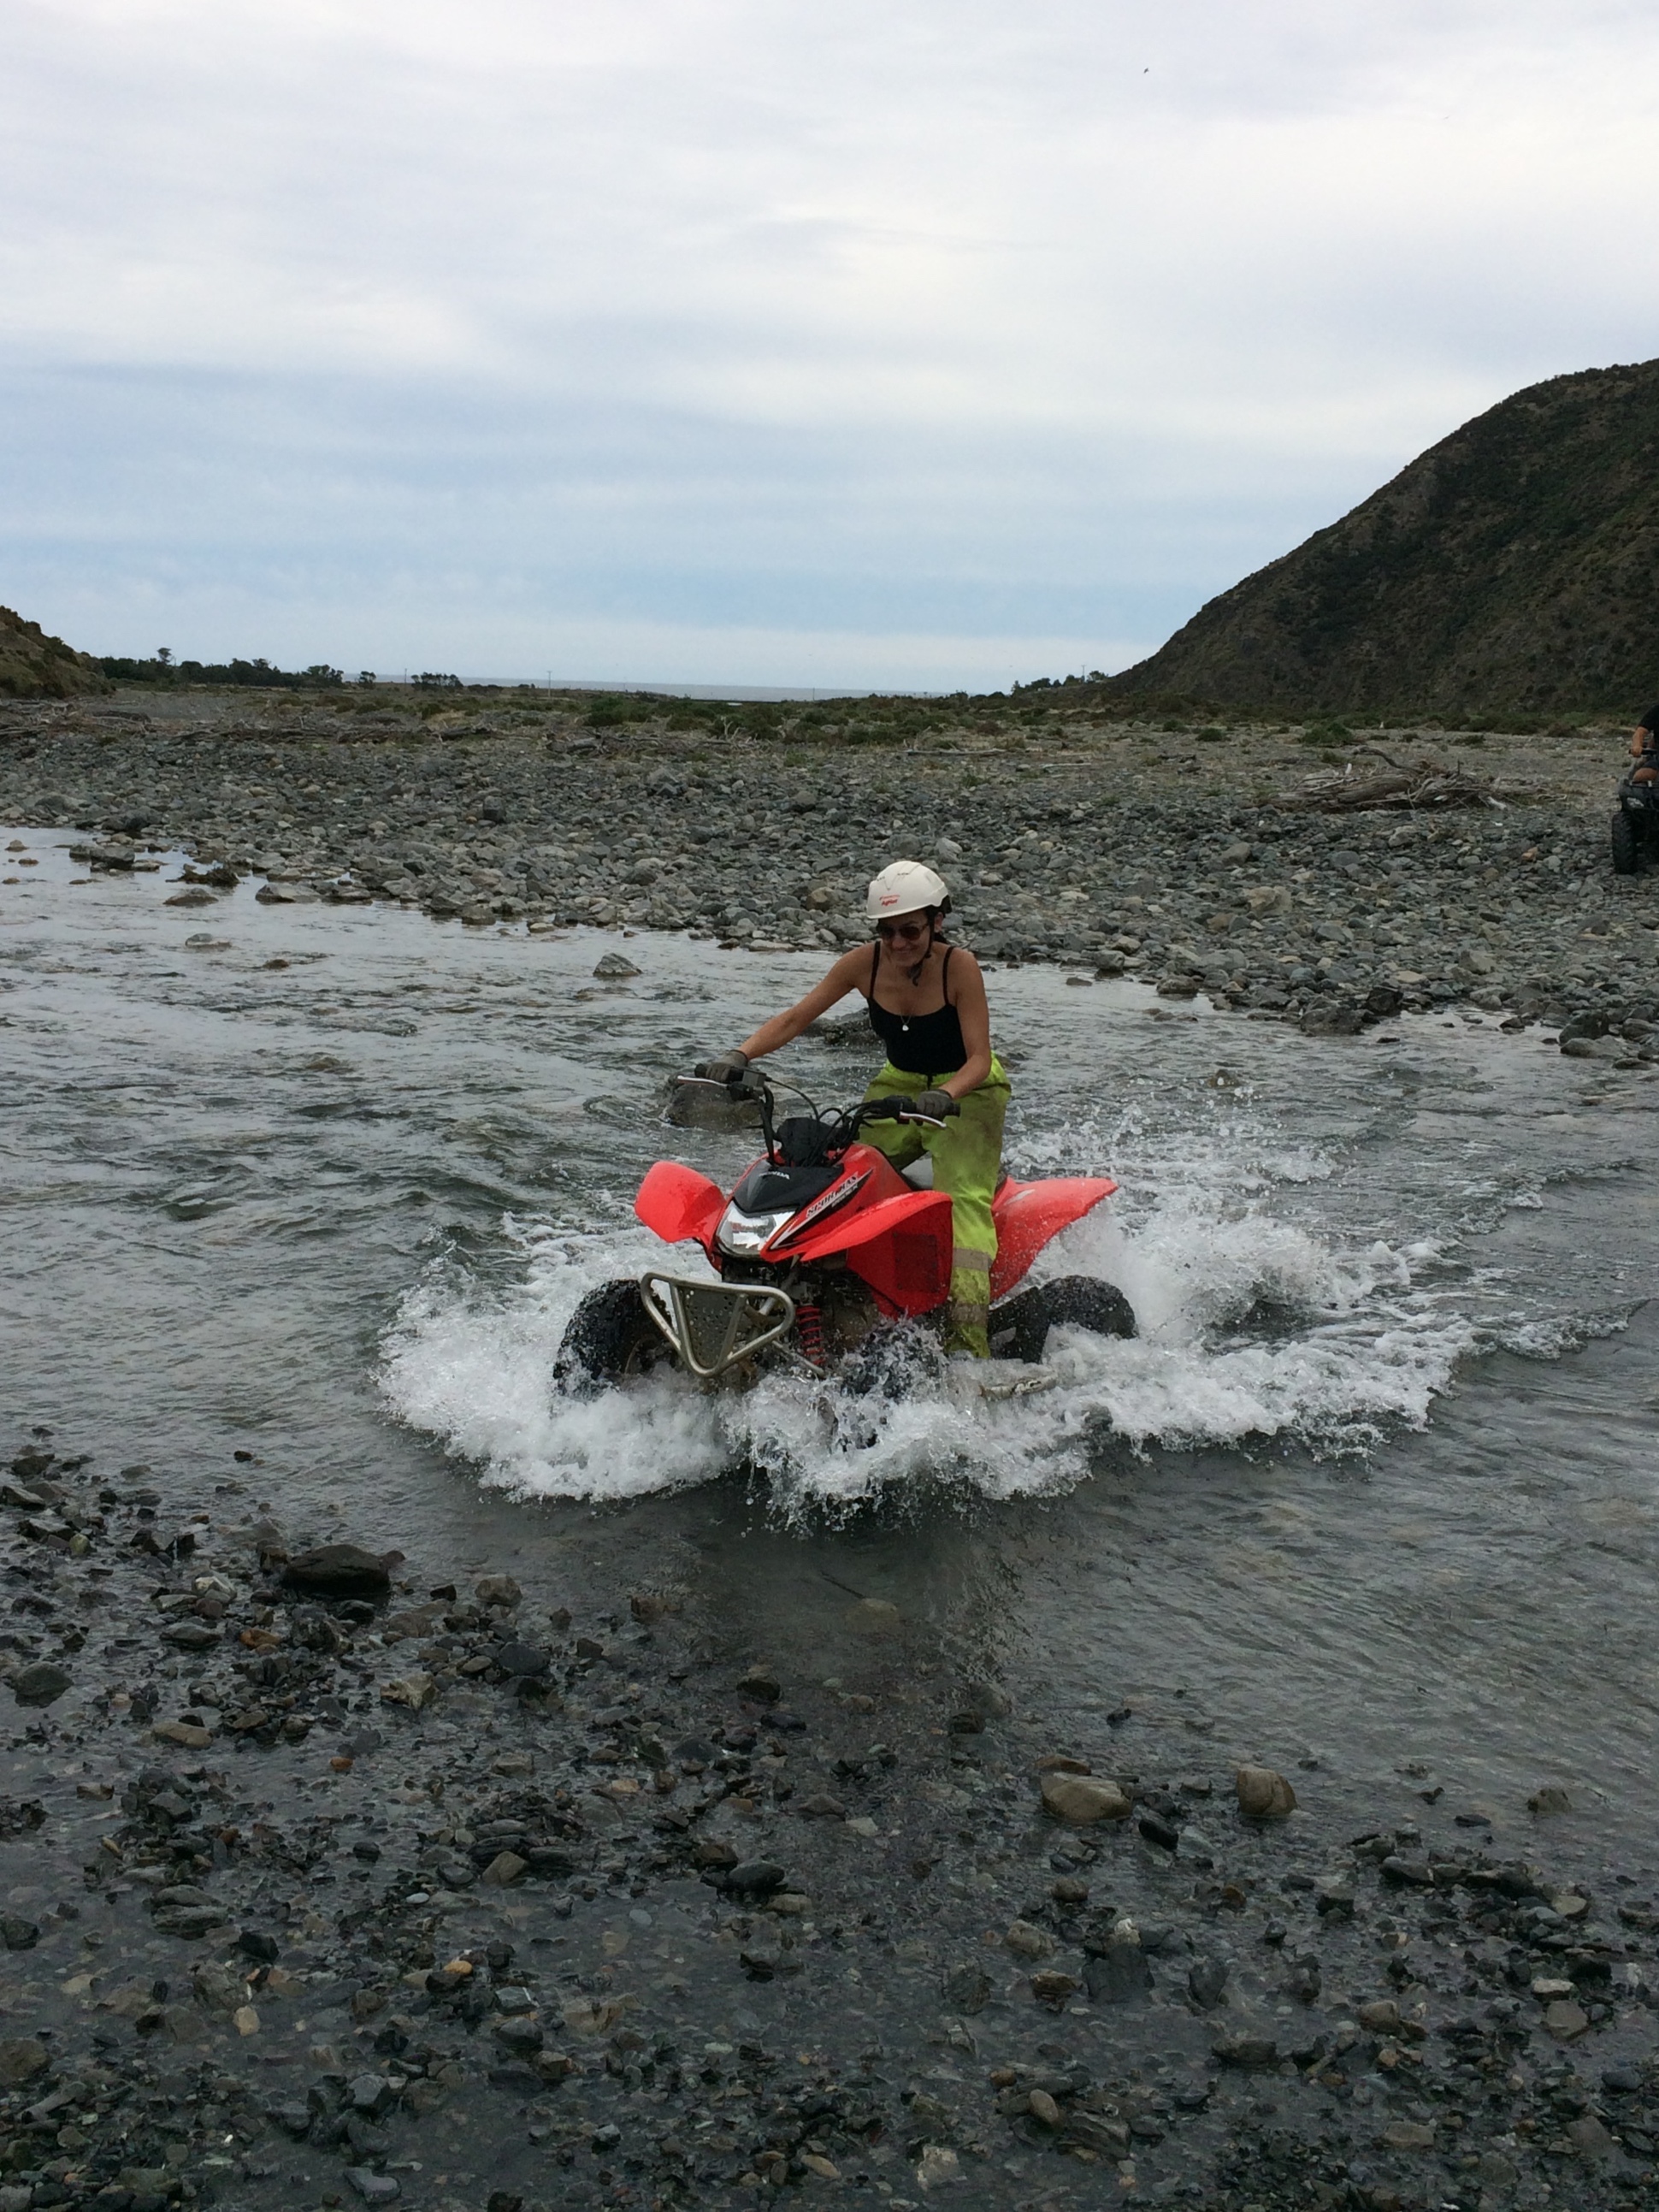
(497, 1589)
(1053, 1988)
(1081, 1800)
(190, 1735)
(524, 1660)
(1026, 1941)
(504, 1870)
(1565, 2020)
(1207, 1983)
(1252, 2048)
(1263, 1794)
(1408, 1870)
(371, 2093)
(342, 1571)
(1590, 2137)
(1408, 2135)
(980, 1702)
(41, 1684)
(23, 2060)
(374, 2188)
(1548, 1801)
(938, 2168)
(873, 1616)
(967, 1989)
(415, 1691)
(753, 1878)
(1119, 1973)
(760, 1684)
(615, 968)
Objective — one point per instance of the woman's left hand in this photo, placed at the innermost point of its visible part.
(936, 1104)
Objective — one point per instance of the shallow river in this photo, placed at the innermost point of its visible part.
(1374, 1489)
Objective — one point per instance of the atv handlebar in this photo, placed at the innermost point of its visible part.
(840, 1125)
(894, 1109)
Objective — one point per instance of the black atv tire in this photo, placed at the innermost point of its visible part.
(610, 1339)
(1020, 1325)
(891, 1360)
(1627, 845)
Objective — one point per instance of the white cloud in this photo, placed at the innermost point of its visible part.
(758, 323)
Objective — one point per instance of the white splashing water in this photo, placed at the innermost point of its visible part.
(1250, 1327)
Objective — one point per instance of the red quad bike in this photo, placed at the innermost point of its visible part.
(832, 1262)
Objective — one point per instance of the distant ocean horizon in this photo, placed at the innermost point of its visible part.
(736, 692)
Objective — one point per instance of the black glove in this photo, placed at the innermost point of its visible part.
(936, 1104)
(729, 1068)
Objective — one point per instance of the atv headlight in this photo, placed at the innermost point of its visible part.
(741, 1232)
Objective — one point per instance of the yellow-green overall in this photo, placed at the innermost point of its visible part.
(967, 1156)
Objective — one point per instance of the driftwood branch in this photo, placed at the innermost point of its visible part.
(1429, 784)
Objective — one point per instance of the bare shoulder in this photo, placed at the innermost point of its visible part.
(965, 970)
(852, 971)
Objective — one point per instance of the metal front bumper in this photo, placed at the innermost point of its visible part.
(714, 1326)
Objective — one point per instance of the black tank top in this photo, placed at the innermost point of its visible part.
(919, 1044)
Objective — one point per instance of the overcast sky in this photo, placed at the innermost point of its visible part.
(927, 344)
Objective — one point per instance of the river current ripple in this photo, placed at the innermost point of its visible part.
(1374, 1489)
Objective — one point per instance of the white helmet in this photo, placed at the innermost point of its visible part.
(906, 887)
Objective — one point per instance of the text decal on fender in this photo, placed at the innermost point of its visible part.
(820, 1207)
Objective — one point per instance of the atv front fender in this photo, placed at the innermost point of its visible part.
(678, 1204)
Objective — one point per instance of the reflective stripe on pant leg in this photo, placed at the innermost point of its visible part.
(970, 1327)
(967, 1156)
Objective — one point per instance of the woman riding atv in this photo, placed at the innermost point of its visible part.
(926, 999)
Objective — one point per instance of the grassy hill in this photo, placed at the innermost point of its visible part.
(35, 666)
(1516, 564)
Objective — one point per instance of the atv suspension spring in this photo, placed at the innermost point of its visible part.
(809, 1328)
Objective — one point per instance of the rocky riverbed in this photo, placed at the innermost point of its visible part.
(331, 1875)
(1202, 860)
(327, 1879)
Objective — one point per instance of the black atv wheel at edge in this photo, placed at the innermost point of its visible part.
(892, 1360)
(1627, 845)
(610, 1339)
(1020, 1325)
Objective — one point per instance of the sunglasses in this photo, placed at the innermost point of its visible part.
(901, 932)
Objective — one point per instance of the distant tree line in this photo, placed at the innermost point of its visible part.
(162, 668)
